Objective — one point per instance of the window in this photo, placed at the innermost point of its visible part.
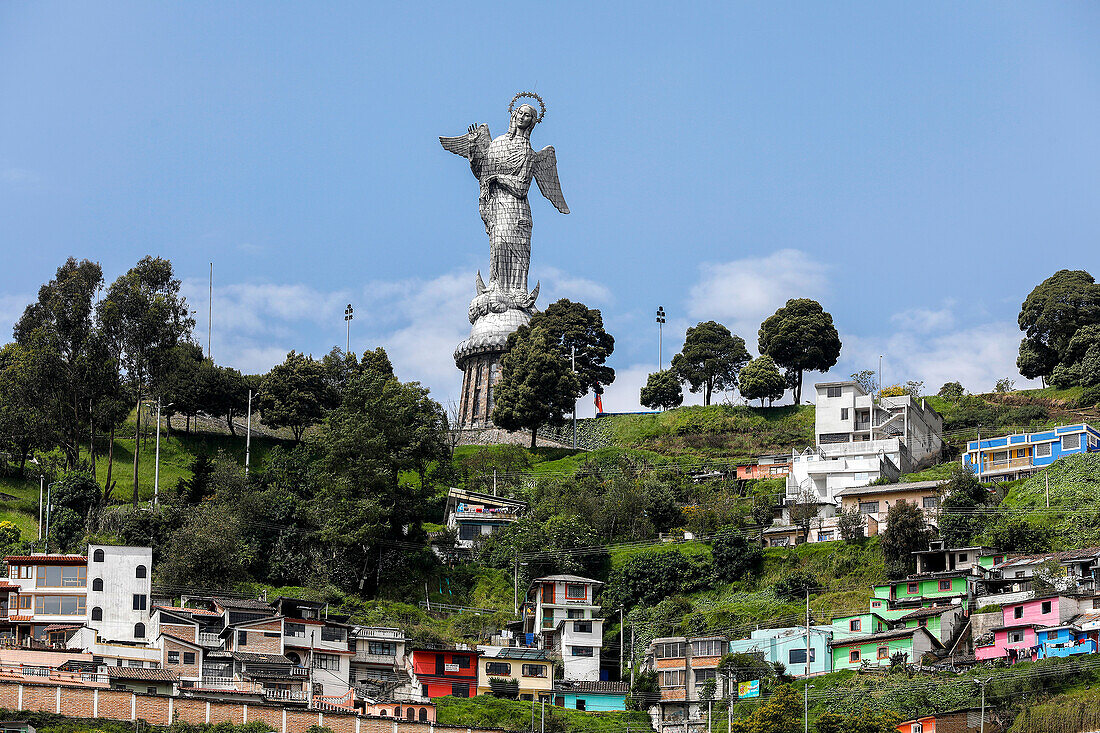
(853, 655)
(962, 557)
(141, 572)
(140, 601)
(139, 631)
(460, 690)
(854, 625)
(295, 630)
(844, 413)
(580, 704)
(945, 585)
(498, 668)
(912, 588)
(708, 648)
(931, 502)
(582, 627)
(833, 438)
(868, 507)
(467, 531)
(833, 391)
(1018, 612)
(271, 634)
(332, 633)
(1052, 635)
(581, 651)
(242, 638)
(97, 556)
(97, 584)
(422, 716)
(798, 656)
(173, 657)
(1043, 450)
(884, 652)
(410, 714)
(1071, 442)
(824, 536)
(574, 613)
(702, 675)
(576, 591)
(670, 650)
(462, 662)
(54, 576)
(97, 614)
(534, 670)
(326, 661)
(916, 728)
(1046, 607)
(672, 678)
(1015, 637)
(382, 648)
(59, 605)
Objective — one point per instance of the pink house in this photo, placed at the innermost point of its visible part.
(1023, 625)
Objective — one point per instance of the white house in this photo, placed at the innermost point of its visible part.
(561, 611)
(473, 514)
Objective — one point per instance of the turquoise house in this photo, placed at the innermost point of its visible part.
(591, 696)
(788, 646)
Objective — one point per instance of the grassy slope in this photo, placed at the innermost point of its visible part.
(488, 711)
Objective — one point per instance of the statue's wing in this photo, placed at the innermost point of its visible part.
(546, 175)
(468, 144)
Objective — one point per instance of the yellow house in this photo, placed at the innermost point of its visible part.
(531, 669)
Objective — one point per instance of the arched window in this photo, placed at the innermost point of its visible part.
(139, 631)
(410, 713)
(423, 715)
(384, 713)
(141, 571)
(97, 556)
(97, 614)
(97, 584)
(397, 712)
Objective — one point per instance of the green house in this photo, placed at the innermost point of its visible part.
(942, 621)
(928, 590)
(859, 625)
(878, 649)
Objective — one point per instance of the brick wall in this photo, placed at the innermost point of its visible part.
(183, 670)
(79, 702)
(183, 632)
(257, 643)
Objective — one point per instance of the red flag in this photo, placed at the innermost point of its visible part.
(598, 401)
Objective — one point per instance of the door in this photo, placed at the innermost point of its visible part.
(440, 669)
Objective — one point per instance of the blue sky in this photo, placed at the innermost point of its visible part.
(918, 168)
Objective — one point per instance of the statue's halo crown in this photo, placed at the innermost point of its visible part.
(532, 95)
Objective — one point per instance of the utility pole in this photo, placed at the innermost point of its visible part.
(574, 358)
(806, 706)
(156, 461)
(807, 632)
(41, 491)
(631, 655)
(622, 637)
(248, 434)
(1046, 480)
(542, 723)
(515, 595)
(982, 684)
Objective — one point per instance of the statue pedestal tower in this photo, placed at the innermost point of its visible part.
(479, 358)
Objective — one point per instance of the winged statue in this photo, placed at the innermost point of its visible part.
(504, 168)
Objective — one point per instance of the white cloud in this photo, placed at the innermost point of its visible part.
(926, 320)
(976, 356)
(558, 284)
(744, 292)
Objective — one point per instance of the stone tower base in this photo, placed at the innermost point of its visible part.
(480, 374)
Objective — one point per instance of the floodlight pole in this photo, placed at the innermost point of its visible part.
(248, 434)
(660, 337)
(349, 313)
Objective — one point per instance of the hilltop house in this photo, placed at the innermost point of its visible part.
(591, 696)
(874, 502)
(1073, 571)
(561, 611)
(442, 672)
(1009, 457)
(472, 514)
(878, 649)
(684, 665)
(530, 670)
(788, 646)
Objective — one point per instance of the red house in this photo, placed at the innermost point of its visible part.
(442, 672)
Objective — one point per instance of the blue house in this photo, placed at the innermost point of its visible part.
(788, 646)
(1011, 457)
(1063, 641)
(592, 696)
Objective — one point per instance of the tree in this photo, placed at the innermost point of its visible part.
(762, 380)
(905, 534)
(207, 551)
(25, 423)
(294, 394)
(800, 336)
(569, 325)
(1004, 385)
(224, 392)
(536, 385)
(1053, 312)
(1017, 534)
(61, 323)
(867, 379)
(851, 523)
(181, 383)
(144, 317)
(711, 359)
(804, 510)
(963, 498)
(952, 391)
(735, 556)
(866, 721)
(662, 391)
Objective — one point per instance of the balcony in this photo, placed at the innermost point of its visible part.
(1002, 466)
(210, 640)
(501, 516)
(389, 660)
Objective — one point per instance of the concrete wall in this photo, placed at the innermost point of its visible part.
(83, 702)
(120, 583)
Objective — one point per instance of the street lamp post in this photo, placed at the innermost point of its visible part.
(156, 461)
(248, 434)
(806, 707)
(982, 684)
(349, 313)
(660, 337)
